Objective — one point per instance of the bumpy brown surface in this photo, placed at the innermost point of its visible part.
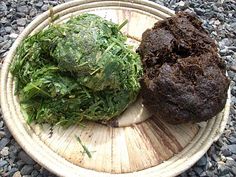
(184, 78)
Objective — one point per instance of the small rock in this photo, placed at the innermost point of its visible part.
(23, 9)
(8, 29)
(230, 162)
(20, 29)
(33, 12)
(2, 163)
(223, 169)
(34, 173)
(17, 174)
(6, 130)
(37, 166)
(2, 134)
(199, 11)
(233, 48)
(4, 142)
(5, 151)
(13, 35)
(3, 6)
(20, 163)
(202, 161)
(12, 171)
(39, 4)
(198, 170)
(1, 124)
(26, 158)
(233, 170)
(26, 170)
(44, 7)
(233, 157)
(232, 148)
(21, 22)
(53, 3)
(203, 174)
(226, 152)
(231, 138)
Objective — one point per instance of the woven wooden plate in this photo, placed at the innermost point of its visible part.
(151, 148)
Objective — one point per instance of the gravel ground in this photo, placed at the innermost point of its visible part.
(219, 17)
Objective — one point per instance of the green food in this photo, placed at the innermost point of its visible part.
(78, 70)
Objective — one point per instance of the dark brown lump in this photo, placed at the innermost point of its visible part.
(184, 77)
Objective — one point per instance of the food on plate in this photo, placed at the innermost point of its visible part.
(81, 69)
(184, 78)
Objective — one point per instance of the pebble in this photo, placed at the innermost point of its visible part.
(5, 151)
(226, 152)
(12, 171)
(33, 12)
(20, 163)
(44, 7)
(230, 162)
(13, 35)
(23, 9)
(39, 4)
(26, 170)
(3, 163)
(202, 161)
(17, 174)
(34, 173)
(231, 138)
(233, 170)
(21, 22)
(26, 158)
(232, 148)
(4, 142)
(8, 29)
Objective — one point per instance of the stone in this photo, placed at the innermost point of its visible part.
(202, 161)
(198, 170)
(21, 22)
(199, 11)
(4, 142)
(20, 163)
(232, 148)
(223, 169)
(44, 7)
(23, 9)
(3, 6)
(53, 3)
(34, 173)
(5, 151)
(232, 139)
(13, 35)
(233, 170)
(39, 4)
(12, 171)
(26, 158)
(33, 12)
(230, 162)
(3, 163)
(233, 48)
(6, 130)
(8, 29)
(26, 170)
(2, 134)
(226, 152)
(17, 174)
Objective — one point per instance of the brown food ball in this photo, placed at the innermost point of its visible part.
(184, 77)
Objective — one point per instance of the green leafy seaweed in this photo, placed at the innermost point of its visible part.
(81, 69)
